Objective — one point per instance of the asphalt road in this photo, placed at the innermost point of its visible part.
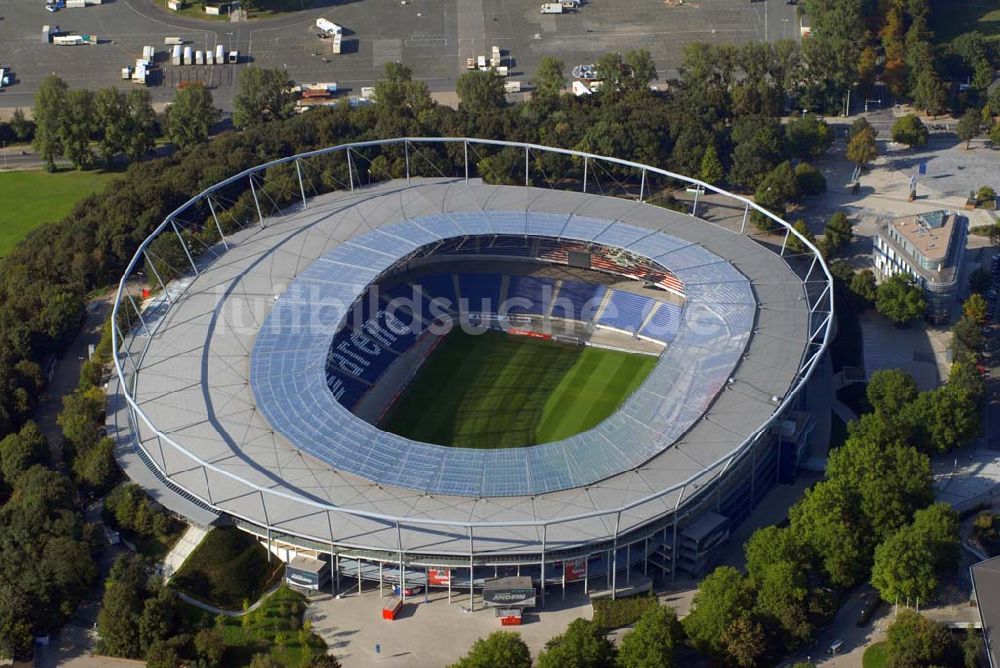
(433, 37)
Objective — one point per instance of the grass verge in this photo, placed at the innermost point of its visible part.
(493, 390)
(876, 656)
(228, 567)
(33, 198)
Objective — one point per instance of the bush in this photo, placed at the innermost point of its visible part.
(621, 612)
(809, 180)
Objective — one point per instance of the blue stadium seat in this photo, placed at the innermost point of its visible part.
(480, 292)
(664, 323)
(578, 301)
(533, 295)
(626, 311)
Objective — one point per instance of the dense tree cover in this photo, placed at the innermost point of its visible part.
(503, 649)
(861, 42)
(67, 121)
(140, 618)
(46, 550)
(908, 563)
(582, 645)
(652, 641)
(900, 299)
(723, 597)
(128, 507)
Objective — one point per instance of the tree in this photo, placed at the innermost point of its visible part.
(809, 181)
(621, 73)
(773, 545)
(723, 596)
(967, 337)
(930, 92)
(121, 609)
(795, 245)
(808, 136)
(861, 148)
(481, 91)
(264, 95)
(651, 643)
(97, 468)
(22, 128)
(783, 600)
(21, 451)
(900, 299)
(889, 390)
(890, 480)
(210, 645)
(995, 133)
(711, 168)
(828, 519)
(910, 130)
(968, 126)
(758, 147)
(947, 417)
(50, 105)
(503, 649)
(77, 126)
(159, 617)
(112, 122)
(913, 640)
(191, 116)
(838, 233)
(583, 645)
(550, 78)
(864, 286)
(975, 308)
(142, 129)
(773, 194)
(744, 641)
(908, 562)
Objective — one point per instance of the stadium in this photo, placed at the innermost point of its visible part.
(392, 370)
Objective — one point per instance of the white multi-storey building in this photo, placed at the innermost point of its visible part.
(930, 247)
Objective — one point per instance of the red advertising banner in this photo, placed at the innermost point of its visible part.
(439, 577)
(514, 331)
(575, 569)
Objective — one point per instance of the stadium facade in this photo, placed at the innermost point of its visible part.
(240, 387)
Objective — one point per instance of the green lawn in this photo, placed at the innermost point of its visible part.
(493, 391)
(876, 655)
(956, 17)
(228, 567)
(31, 198)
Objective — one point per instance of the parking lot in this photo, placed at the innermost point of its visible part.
(433, 37)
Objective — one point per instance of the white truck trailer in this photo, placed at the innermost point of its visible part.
(552, 8)
(329, 27)
(176, 55)
(188, 55)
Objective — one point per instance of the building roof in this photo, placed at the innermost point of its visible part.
(930, 233)
(194, 384)
(986, 582)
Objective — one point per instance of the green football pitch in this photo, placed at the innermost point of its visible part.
(493, 390)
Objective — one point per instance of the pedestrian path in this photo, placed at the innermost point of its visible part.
(181, 550)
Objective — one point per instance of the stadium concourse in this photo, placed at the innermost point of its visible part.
(243, 395)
